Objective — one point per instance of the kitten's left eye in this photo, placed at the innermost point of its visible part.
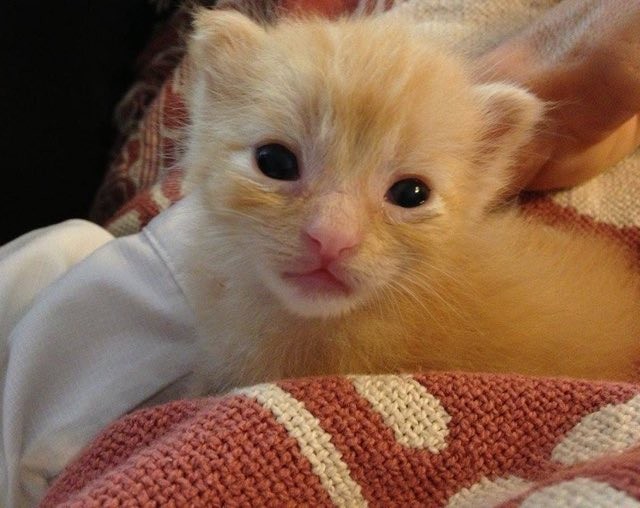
(277, 161)
(408, 193)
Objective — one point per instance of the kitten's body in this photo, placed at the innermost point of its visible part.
(443, 286)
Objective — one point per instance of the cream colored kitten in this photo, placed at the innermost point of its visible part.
(344, 171)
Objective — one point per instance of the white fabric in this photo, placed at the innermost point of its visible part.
(76, 353)
(27, 265)
(36, 259)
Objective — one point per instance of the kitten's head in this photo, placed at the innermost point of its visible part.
(333, 155)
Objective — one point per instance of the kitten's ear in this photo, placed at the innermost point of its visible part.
(510, 116)
(223, 41)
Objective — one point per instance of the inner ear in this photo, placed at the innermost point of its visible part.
(223, 41)
(510, 116)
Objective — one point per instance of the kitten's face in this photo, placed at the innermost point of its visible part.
(334, 157)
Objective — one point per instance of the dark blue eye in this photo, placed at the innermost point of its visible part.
(408, 193)
(277, 161)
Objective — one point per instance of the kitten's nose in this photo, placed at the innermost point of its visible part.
(331, 244)
(334, 230)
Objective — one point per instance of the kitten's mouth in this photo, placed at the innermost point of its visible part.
(316, 282)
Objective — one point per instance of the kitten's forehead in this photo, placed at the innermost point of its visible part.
(365, 91)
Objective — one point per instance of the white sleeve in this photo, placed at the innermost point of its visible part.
(110, 333)
(30, 263)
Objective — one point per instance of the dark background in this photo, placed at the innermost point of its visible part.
(63, 67)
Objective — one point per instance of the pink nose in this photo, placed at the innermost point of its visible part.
(330, 242)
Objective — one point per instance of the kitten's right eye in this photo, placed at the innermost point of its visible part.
(277, 162)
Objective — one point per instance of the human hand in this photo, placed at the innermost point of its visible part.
(583, 57)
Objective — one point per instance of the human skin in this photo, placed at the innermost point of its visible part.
(583, 57)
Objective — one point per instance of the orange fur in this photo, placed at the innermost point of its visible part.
(448, 285)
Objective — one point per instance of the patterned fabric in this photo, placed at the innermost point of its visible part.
(143, 179)
(443, 439)
(426, 440)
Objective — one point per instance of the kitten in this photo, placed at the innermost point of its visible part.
(344, 172)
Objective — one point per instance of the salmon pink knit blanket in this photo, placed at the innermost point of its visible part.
(442, 439)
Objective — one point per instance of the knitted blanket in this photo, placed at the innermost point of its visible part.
(444, 439)
(456, 440)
